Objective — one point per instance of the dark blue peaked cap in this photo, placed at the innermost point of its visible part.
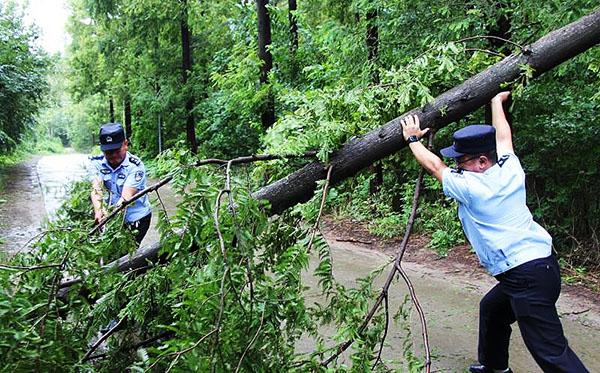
(112, 136)
(473, 139)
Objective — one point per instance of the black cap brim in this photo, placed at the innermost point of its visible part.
(450, 152)
(105, 147)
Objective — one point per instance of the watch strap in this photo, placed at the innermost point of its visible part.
(412, 138)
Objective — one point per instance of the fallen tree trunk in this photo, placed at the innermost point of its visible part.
(140, 260)
(543, 55)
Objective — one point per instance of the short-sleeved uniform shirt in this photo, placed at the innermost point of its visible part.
(494, 215)
(130, 173)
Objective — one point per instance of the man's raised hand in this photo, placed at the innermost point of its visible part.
(411, 126)
(501, 97)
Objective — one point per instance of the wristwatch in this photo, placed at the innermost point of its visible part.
(412, 138)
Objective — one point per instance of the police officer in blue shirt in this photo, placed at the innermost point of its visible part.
(489, 186)
(122, 175)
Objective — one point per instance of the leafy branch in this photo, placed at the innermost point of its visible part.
(383, 296)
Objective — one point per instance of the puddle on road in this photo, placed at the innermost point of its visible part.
(33, 192)
(56, 174)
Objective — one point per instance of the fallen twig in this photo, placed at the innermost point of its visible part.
(253, 158)
(164, 208)
(356, 240)
(126, 203)
(112, 330)
(385, 331)
(576, 312)
(178, 354)
(27, 269)
(41, 235)
(522, 48)
(262, 319)
(323, 199)
(487, 51)
(168, 178)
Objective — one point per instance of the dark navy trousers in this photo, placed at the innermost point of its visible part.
(526, 294)
(140, 227)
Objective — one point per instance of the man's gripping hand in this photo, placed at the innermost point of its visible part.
(99, 215)
(501, 97)
(411, 127)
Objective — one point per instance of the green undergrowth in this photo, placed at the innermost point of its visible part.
(385, 212)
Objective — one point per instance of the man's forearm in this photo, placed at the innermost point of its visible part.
(503, 132)
(499, 120)
(428, 160)
(96, 198)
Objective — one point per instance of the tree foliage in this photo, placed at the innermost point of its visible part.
(232, 293)
(23, 67)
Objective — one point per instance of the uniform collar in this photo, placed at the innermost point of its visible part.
(125, 162)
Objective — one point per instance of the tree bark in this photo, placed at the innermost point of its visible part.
(546, 53)
(502, 30)
(186, 68)
(264, 40)
(111, 109)
(372, 41)
(127, 115)
(543, 55)
(293, 24)
(292, 7)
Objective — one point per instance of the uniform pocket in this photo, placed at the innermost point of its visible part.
(514, 280)
(107, 180)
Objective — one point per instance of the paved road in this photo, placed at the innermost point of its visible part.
(22, 210)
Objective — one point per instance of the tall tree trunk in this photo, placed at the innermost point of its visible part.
(111, 109)
(372, 41)
(159, 128)
(501, 31)
(293, 23)
(264, 41)
(127, 115)
(292, 7)
(186, 68)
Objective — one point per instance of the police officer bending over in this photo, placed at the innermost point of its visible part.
(489, 186)
(122, 175)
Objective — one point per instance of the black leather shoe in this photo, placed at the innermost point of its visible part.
(479, 368)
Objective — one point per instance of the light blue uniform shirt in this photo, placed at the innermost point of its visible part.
(130, 173)
(494, 215)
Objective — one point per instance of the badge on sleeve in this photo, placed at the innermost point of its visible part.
(139, 175)
(503, 159)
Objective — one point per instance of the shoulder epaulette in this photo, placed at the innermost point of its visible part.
(136, 161)
(457, 171)
(503, 159)
(95, 157)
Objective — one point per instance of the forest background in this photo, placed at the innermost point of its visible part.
(193, 80)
